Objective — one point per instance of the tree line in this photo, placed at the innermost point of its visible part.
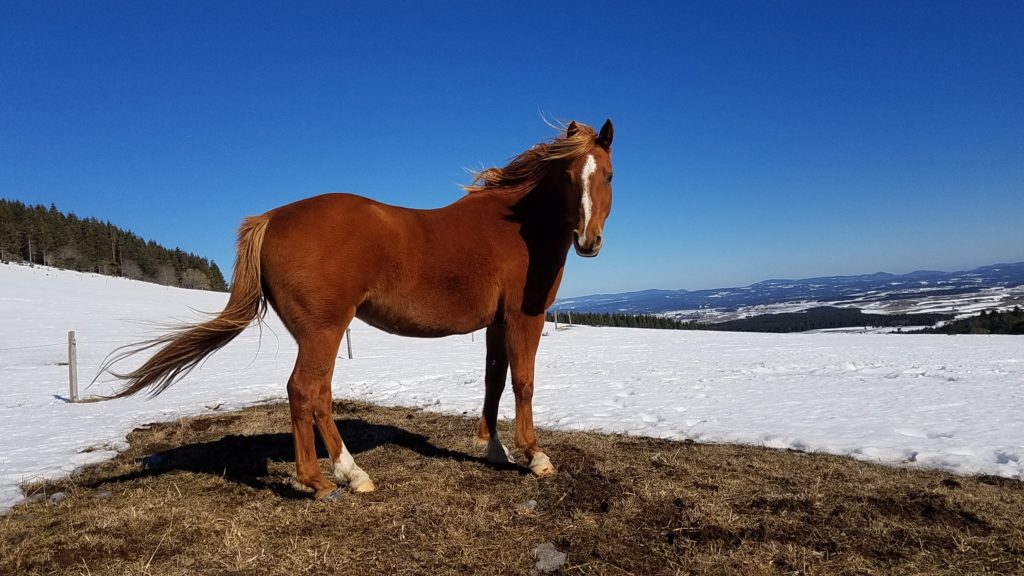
(624, 320)
(819, 318)
(47, 236)
(826, 317)
(986, 322)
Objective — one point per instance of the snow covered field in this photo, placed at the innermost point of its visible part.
(936, 401)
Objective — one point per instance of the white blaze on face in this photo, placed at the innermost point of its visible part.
(589, 167)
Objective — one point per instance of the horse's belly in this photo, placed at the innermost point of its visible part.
(427, 317)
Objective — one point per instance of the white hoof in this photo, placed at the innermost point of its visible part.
(541, 466)
(347, 472)
(365, 486)
(497, 453)
(359, 481)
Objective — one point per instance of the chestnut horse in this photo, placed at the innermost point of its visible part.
(492, 259)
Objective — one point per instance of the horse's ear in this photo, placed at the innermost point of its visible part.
(571, 129)
(604, 139)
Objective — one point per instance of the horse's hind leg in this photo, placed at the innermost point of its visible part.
(494, 380)
(312, 374)
(345, 468)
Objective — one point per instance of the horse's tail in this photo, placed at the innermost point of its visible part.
(184, 348)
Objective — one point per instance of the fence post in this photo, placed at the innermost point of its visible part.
(556, 320)
(570, 317)
(73, 365)
(348, 340)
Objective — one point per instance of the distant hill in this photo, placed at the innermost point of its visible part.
(987, 287)
(40, 235)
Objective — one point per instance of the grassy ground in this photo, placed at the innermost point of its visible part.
(215, 495)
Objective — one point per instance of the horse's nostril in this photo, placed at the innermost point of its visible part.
(598, 240)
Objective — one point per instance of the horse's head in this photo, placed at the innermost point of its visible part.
(590, 178)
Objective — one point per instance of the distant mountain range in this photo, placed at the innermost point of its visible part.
(988, 287)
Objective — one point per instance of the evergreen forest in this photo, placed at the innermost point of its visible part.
(623, 320)
(47, 236)
(986, 322)
(824, 318)
(820, 318)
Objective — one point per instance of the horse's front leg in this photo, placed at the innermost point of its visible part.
(494, 379)
(522, 336)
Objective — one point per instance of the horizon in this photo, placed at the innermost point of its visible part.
(753, 142)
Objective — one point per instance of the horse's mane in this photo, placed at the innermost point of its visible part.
(526, 170)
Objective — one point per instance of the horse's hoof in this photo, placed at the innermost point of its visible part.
(366, 486)
(331, 495)
(541, 466)
(543, 471)
(359, 481)
(480, 442)
(497, 453)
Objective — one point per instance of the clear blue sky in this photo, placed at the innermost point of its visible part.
(753, 139)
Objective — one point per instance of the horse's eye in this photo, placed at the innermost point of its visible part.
(610, 177)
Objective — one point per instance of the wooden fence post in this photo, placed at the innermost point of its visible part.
(348, 340)
(73, 365)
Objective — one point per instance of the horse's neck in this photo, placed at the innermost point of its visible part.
(545, 208)
(546, 230)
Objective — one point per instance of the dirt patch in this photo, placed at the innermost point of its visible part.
(216, 495)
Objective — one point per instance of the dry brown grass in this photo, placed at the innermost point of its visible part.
(215, 495)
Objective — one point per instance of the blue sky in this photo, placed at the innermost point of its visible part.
(754, 140)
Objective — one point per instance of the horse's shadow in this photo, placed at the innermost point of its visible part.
(245, 459)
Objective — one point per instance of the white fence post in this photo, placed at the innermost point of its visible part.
(348, 340)
(73, 365)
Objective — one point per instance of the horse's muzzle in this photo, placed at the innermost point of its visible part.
(585, 251)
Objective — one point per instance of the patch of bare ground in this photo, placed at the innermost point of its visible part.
(215, 495)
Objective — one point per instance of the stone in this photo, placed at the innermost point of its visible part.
(549, 559)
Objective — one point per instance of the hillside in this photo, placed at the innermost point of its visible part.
(47, 236)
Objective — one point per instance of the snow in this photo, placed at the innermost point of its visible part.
(935, 401)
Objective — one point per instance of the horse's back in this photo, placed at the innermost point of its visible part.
(412, 272)
(314, 237)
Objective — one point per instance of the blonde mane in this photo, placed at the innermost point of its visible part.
(526, 170)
